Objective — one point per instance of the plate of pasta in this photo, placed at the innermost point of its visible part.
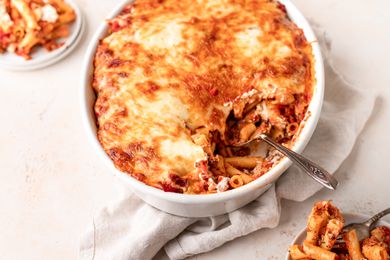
(37, 33)
(325, 224)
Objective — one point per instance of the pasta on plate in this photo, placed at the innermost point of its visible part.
(325, 224)
(25, 24)
(179, 82)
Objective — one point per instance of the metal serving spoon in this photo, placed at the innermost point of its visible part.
(313, 170)
(363, 229)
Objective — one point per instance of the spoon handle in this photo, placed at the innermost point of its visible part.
(376, 217)
(313, 170)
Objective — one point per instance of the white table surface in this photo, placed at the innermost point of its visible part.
(52, 182)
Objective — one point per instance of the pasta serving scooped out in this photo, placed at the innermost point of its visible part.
(25, 24)
(324, 230)
(179, 82)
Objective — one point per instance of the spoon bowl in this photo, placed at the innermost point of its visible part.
(364, 228)
(315, 171)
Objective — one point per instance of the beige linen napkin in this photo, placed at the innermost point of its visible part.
(131, 229)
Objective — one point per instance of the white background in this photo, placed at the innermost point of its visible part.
(51, 182)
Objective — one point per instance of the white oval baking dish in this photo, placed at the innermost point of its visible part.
(210, 204)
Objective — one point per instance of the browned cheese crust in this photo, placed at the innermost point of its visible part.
(168, 68)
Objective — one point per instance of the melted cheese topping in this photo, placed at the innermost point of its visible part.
(169, 67)
(49, 14)
(223, 185)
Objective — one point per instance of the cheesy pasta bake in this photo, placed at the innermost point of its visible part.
(178, 83)
(25, 24)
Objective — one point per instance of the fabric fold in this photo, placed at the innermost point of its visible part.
(264, 212)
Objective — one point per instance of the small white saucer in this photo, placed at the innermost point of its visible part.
(41, 57)
(348, 217)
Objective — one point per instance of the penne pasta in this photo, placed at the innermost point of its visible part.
(314, 225)
(236, 181)
(382, 234)
(61, 32)
(332, 230)
(251, 106)
(18, 31)
(200, 139)
(353, 245)
(375, 252)
(219, 165)
(277, 133)
(213, 146)
(325, 220)
(26, 13)
(296, 252)
(28, 42)
(246, 132)
(377, 246)
(231, 171)
(292, 129)
(318, 253)
(247, 162)
(246, 178)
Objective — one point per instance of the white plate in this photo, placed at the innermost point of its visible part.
(348, 217)
(41, 57)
